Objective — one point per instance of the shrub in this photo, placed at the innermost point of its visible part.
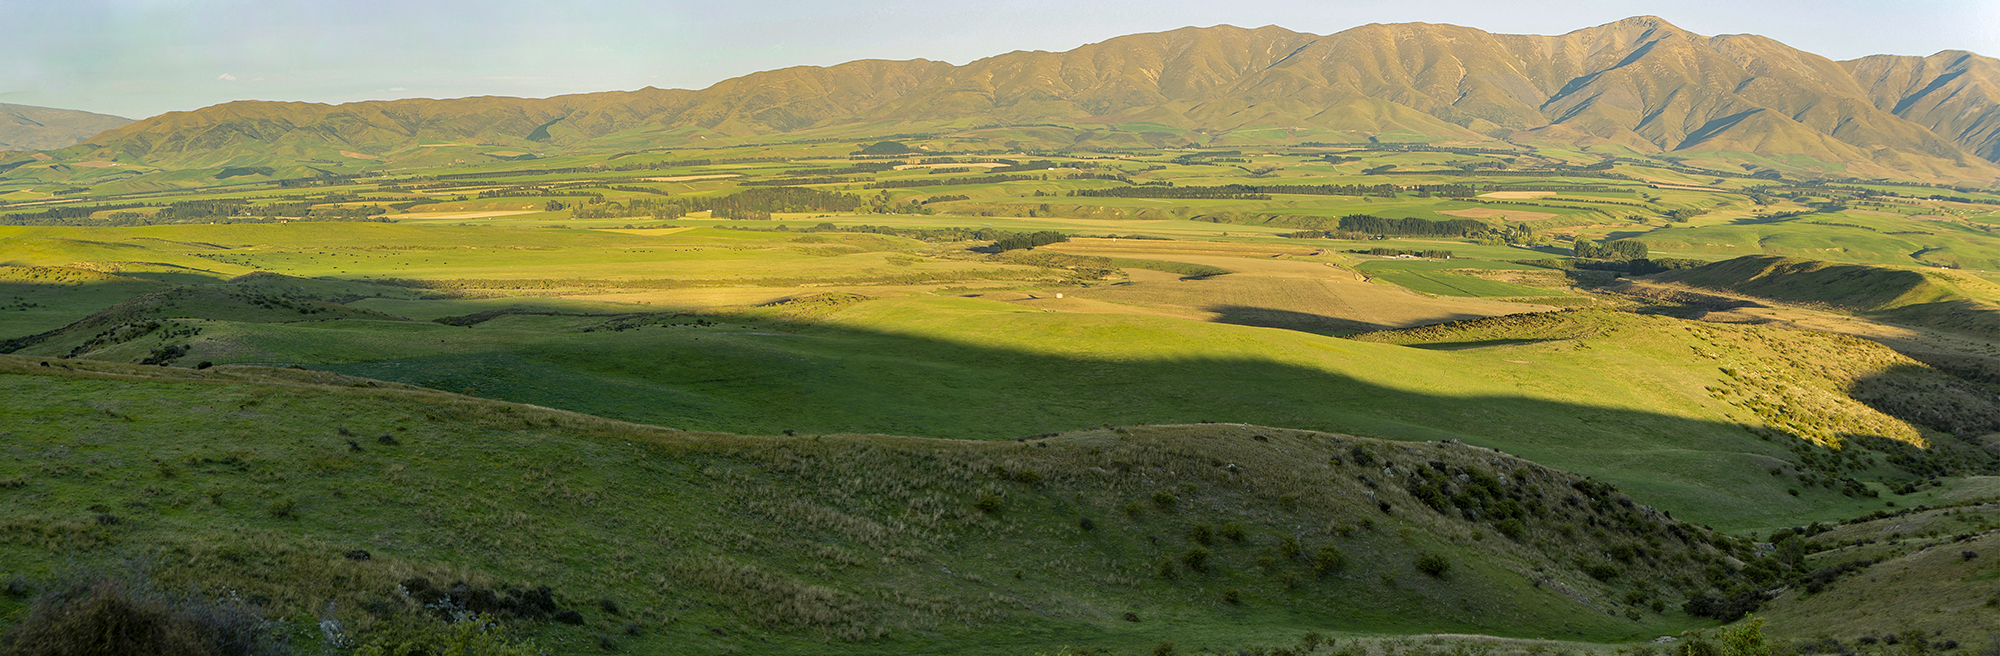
(1197, 559)
(1746, 639)
(104, 615)
(1201, 534)
(1165, 500)
(1330, 559)
(1727, 610)
(990, 503)
(1165, 648)
(1433, 564)
(283, 508)
(1233, 532)
(1232, 596)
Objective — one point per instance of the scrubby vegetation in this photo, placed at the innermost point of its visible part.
(1280, 518)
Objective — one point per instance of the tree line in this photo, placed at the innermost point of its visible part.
(1412, 227)
(1393, 252)
(1621, 249)
(759, 203)
(921, 182)
(1264, 192)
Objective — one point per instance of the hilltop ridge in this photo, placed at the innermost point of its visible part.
(1635, 87)
(25, 127)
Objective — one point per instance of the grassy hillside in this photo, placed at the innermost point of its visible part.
(1933, 562)
(1628, 398)
(1850, 287)
(258, 480)
(1923, 298)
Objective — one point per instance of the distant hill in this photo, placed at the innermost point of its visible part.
(1926, 298)
(1639, 86)
(25, 127)
(1937, 300)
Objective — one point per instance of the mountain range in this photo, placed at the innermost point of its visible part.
(26, 127)
(1636, 87)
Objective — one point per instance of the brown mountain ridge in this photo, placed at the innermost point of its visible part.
(1639, 86)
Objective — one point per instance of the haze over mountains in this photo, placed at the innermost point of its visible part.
(1639, 86)
(26, 127)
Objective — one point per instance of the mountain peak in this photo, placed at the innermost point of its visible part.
(1647, 21)
(1637, 85)
(1634, 28)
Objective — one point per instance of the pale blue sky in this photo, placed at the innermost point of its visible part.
(137, 58)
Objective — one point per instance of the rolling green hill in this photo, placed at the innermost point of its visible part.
(1925, 298)
(1657, 405)
(259, 480)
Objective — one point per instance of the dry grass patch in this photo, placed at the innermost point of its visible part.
(1517, 195)
(1493, 213)
(691, 178)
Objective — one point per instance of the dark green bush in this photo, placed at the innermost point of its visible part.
(1433, 564)
(109, 616)
(1328, 559)
(1197, 559)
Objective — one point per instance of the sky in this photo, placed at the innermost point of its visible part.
(139, 58)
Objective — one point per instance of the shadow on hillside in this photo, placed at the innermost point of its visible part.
(1484, 343)
(771, 376)
(176, 277)
(1914, 394)
(1245, 315)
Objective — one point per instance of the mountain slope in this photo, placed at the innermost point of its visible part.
(1954, 93)
(25, 127)
(1640, 83)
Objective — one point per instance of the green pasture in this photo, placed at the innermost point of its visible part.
(1434, 277)
(975, 369)
(1866, 238)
